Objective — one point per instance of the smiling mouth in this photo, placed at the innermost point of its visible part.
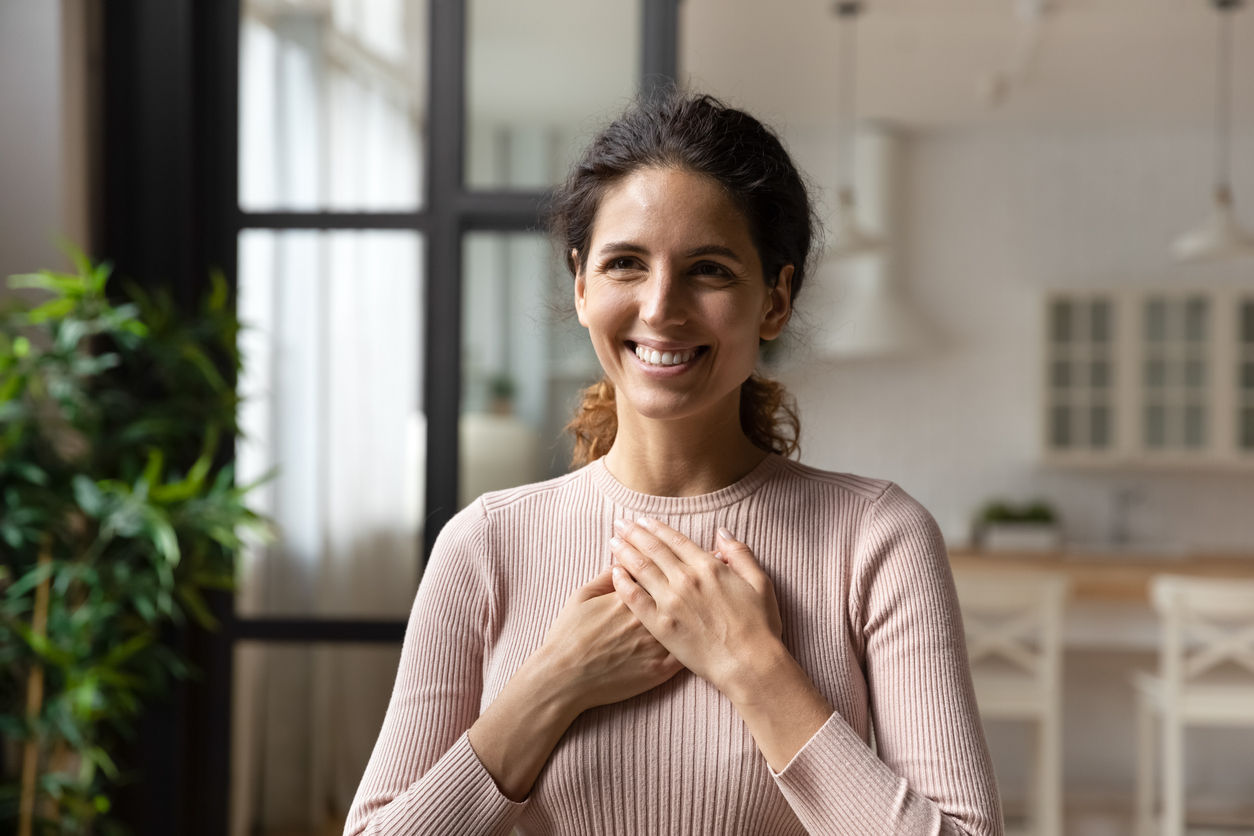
(653, 357)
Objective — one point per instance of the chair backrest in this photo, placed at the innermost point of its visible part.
(1207, 624)
(1014, 618)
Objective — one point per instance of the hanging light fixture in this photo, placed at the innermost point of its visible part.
(848, 237)
(1220, 237)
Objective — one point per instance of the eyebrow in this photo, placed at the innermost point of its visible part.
(695, 252)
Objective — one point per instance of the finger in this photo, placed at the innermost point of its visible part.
(634, 596)
(666, 545)
(640, 568)
(602, 584)
(738, 556)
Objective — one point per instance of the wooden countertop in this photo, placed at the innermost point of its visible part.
(1115, 576)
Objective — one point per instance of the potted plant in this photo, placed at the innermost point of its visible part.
(1031, 527)
(117, 510)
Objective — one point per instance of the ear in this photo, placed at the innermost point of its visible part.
(580, 288)
(778, 305)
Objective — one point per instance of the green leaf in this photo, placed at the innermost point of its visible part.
(163, 535)
(21, 347)
(30, 580)
(56, 309)
(88, 496)
(60, 283)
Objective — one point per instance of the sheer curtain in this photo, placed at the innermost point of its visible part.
(332, 382)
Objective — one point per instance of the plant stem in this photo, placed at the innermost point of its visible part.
(34, 700)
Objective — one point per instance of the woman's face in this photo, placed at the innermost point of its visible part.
(673, 295)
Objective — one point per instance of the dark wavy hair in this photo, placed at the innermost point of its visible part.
(696, 133)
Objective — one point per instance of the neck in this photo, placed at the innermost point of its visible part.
(677, 458)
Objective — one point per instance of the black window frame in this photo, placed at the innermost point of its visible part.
(170, 213)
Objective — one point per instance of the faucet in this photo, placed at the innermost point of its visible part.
(1124, 500)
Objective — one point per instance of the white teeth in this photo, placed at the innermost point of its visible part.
(664, 358)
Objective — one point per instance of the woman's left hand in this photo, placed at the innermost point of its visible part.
(714, 612)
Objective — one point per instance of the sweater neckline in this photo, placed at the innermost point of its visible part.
(620, 494)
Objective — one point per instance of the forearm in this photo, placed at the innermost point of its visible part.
(778, 702)
(517, 733)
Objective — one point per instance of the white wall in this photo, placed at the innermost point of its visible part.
(991, 222)
(31, 182)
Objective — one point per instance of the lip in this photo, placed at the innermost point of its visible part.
(661, 345)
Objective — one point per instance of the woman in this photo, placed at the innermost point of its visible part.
(740, 624)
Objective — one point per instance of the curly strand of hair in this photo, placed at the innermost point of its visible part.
(595, 423)
(768, 416)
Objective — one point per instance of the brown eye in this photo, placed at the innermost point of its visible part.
(622, 263)
(709, 268)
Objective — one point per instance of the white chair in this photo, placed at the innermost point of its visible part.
(1013, 621)
(1205, 678)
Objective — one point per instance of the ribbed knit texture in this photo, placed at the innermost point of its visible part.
(868, 610)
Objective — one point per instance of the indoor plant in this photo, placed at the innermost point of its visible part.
(117, 509)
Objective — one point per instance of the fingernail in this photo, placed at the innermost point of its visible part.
(721, 556)
(646, 522)
(725, 534)
(617, 573)
(621, 526)
(616, 543)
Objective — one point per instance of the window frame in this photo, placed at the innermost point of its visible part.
(170, 212)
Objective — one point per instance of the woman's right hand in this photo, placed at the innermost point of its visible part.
(598, 652)
(595, 653)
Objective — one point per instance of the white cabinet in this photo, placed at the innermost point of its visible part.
(1150, 376)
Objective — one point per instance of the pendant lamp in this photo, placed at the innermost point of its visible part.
(1219, 237)
(849, 239)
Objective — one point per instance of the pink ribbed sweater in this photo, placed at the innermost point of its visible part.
(868, 610)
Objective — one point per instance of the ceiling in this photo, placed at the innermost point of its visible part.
(930, 64)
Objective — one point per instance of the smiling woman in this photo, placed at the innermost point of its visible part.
(689, 633)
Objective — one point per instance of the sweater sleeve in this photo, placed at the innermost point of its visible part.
(933, 773)
(423, 777)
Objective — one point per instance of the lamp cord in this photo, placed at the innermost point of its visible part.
(846, 92)
(1223, 103)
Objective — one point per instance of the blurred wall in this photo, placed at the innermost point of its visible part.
(43, 147)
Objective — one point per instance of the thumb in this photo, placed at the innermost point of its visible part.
(602, 584)
(735, 554)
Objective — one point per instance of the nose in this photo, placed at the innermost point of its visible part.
(663, 301)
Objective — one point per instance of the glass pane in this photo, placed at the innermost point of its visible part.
(304, 720)
(539, 79)
(1061, 374)
(333, 402)
(1060, 427)
(1099, 374)
(1194, 373)
(1099, 426)
(1155, 426)
(1061, 314)
(332, 105)
(523, 362)
(1247, 375)
(1195, 425)
(1155, 372)
(1247, 322)
(1196, 313)
(1099, 322)
(1247, 428)
(1156, 320)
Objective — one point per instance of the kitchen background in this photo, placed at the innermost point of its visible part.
(1034, 147)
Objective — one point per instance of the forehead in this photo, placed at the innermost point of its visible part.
(659, 208)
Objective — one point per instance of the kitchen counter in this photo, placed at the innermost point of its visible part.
(1112, 577)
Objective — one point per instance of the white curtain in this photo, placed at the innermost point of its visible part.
(333, 386)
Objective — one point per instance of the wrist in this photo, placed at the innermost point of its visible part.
(757, 671)
(550, 686)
